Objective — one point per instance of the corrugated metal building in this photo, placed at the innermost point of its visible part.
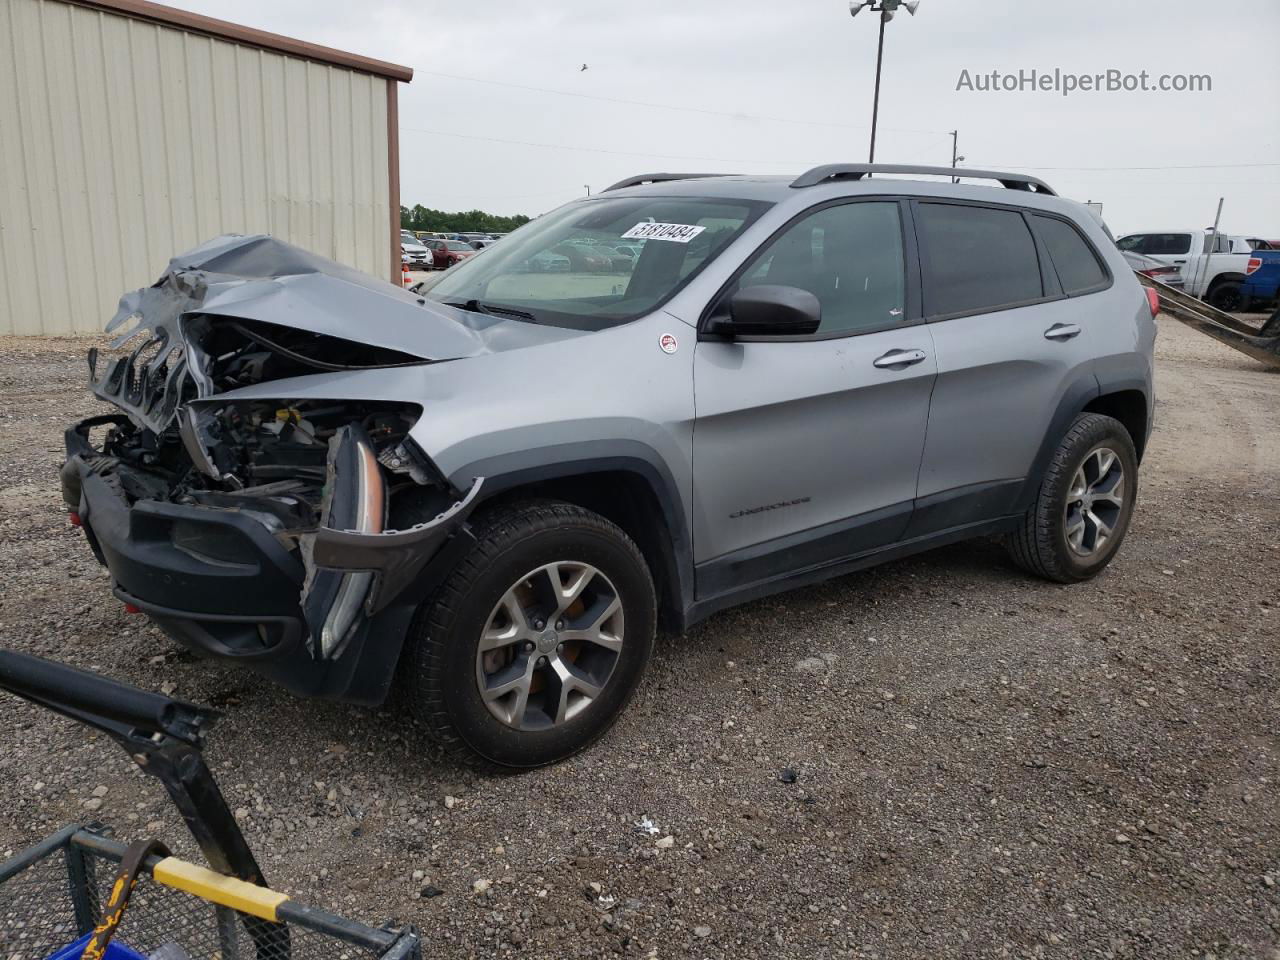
(131, 131)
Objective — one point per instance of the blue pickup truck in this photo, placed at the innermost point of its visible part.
(1261, 285)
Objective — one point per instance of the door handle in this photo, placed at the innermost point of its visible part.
(1062, 331)
(1180, 262)
(896, 359)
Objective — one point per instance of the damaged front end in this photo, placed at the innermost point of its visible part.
(294, 534)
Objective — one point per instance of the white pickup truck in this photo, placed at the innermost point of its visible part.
(1212, 276)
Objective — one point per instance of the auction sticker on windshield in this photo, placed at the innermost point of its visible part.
(675, 232)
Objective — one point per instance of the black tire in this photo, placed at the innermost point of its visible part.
(1228, 296)
(439, 669)
(1040, 546)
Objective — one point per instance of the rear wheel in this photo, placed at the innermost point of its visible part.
(1228, 296)
(536, 641)
(1082, 511)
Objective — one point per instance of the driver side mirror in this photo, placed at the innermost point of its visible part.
(770, 310)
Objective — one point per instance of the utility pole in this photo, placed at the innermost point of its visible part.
(875, 104)
(886, 9)
(1210, 245)
(587, 187)
(955, 158)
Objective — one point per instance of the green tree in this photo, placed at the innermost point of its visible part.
(425, 219)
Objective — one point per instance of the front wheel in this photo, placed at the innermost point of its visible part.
(1085, 502)
(537, 640)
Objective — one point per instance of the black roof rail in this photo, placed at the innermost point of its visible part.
(856, 171)
(661, 178)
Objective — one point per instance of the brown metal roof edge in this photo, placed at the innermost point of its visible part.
(225, 30)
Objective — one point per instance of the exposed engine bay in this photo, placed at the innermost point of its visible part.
(339, 485)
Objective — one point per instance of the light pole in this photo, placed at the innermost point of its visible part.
(955, 139)
(886, 9)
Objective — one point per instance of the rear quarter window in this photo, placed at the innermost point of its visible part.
(976, 259)
(1078, 267)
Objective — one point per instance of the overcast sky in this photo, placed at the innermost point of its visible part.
(776, 87)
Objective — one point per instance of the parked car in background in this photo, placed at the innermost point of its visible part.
(1261, 287)
(619, 262)
(583, 257)
(1212, 266)
(1166, 273)
(544, 261)
(449, 252)
(414, 253)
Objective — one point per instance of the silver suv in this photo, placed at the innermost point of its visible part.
(682, 394)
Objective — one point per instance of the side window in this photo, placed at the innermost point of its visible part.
(1167, 244)
(1132, 243)
(1074, 260)
(976, 258)
(849, 256)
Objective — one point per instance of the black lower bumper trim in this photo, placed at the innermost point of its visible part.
(217, 581)
(199, 559)
(231, 637)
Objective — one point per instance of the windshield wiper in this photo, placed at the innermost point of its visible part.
(476, 306)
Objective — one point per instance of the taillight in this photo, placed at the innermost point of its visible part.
(1153, 300)
(1253, 265)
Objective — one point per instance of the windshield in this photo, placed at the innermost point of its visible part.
(569, 267)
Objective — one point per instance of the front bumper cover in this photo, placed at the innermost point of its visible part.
(219, 581)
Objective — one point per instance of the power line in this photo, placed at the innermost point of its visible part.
(670, 106)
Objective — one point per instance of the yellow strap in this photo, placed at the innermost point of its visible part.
(228, 891)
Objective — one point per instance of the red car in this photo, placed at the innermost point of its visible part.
(449, 252)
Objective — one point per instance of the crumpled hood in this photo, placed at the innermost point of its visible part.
(259, 278)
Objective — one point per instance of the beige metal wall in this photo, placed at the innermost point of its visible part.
(124, 142)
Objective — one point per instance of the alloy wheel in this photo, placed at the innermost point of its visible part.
(550, 646)
(1095, 502)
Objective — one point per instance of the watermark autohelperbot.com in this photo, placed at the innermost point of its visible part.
(1065, 83)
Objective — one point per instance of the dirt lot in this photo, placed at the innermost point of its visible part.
(985, 765)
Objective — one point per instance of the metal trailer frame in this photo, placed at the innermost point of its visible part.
(165, 737)
(84, 847)
(1262, 344)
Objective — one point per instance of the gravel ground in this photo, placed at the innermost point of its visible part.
(936, 758)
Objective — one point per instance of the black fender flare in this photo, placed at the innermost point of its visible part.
(510, 471)
(1074, 399)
